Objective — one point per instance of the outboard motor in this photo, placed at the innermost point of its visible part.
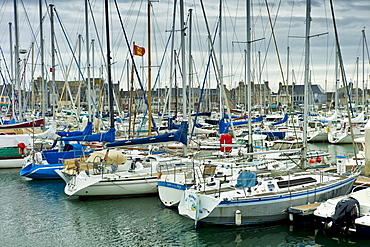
(346, 211)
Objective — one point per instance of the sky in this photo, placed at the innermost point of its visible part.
(289, 28)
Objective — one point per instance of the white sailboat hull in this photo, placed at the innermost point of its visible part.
(113, 185)
(11, 163)
(256, 209)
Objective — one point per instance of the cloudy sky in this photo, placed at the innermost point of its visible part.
(288, 17)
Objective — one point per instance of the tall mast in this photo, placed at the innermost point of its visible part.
(42, 65)
(149, 77)
(172, 57)
(357, 61)
(52, 60)
(110, 83)
(306, 79)
(248, 79)
(183, 65)
(221, 100)
(12, 69)
(191, 104)
(88, 59)
(363, 67)
(17, 61)
(336, 78)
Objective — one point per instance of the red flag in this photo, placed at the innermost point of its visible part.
(139, 51)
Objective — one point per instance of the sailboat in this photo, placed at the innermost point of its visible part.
(139, 177)
(251, 198)
(343, 133)
(43, 164)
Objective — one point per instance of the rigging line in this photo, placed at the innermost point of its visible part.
(133, 62)
(73, 55)
(327, 46)
(222, 91)
(204, 83)
(276, 47)
(66, 74)
(132, 35)
(264, 63)
(29, 24)
(344, 79)
(10, 79)
(4, 79)
(290, 23)
(97, 33)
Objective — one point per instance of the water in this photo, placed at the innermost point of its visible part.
(38, 213)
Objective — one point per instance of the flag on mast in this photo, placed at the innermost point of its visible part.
(139, 51)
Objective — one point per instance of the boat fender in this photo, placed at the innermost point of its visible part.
(301, 128)
(159, 175)
(238, 217)
(37, 158)
(291, 217)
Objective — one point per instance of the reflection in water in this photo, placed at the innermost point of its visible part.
(276, 235)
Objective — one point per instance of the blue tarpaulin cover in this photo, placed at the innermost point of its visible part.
(246, 180)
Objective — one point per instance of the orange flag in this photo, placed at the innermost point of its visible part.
(139, 51)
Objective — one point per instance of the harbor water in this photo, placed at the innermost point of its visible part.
(38, 213)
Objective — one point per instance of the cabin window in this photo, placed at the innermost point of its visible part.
(296, 182)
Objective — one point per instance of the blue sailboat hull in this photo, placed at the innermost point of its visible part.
(36, 171)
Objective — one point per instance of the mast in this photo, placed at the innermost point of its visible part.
(110, 84)
(248, 79)
(42, 65)
(357, 61)
(172, 58)
(88, 60)
(363, 68)
(336, 79)
(52, 60)
(191, 104)
(149, 77)
(12, 68)
(79, 80)
(306, 78)
(183, 64)
(17, 61)
(221, 100)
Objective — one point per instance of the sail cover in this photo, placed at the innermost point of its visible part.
(87, 131)
(109, 136)
(180, 136)
(282, 120)
(224, 126)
